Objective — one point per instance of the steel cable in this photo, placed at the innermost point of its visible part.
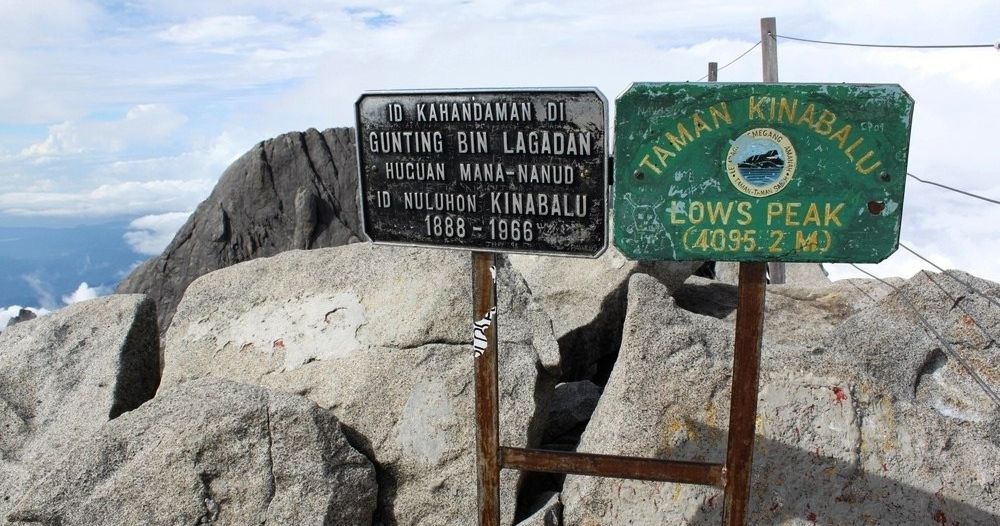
(903, 46)
(968, 285)
(733, 61)
(970, 194)
(951, 350)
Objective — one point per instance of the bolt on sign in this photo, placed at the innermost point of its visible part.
(499, 171)
(760, 172)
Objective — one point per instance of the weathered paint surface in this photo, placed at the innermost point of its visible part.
(499, 171)
(760, 172)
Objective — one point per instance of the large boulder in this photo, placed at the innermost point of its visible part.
(208, 452)
(898, 349)
(64, 375)
(860, 421)
(794, 314)
(295, 191)
(586, 300)
(382, 336)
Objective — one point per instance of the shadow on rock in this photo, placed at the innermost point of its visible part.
(796, 486)
(789, 486)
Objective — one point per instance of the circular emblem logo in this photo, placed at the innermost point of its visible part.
(761, 162)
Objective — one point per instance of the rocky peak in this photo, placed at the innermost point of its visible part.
(295, 191)
(22, 316)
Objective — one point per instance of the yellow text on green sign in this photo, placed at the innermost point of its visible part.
(760, 172)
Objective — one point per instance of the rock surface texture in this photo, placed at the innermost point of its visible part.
(65, 374)
(863, 419)
(296, 191)
(209, 452)
(586, 300)
(382, 336)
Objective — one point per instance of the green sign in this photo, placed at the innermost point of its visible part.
(760, 172)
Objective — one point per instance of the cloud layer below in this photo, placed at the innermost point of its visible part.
(149, 235)
(83, 292)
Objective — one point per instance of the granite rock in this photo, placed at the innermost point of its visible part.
(586, 300)
(382, 336)
(846, 432)
(65, 374)
(208, 452)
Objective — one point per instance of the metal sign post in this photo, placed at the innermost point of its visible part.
(758, 173)
(743, 400)
(746, 380)
(484, 311)
(491, 171)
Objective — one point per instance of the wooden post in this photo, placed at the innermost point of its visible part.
(487, 408)
(743, 404)
(769, 54)
(769, 48)
(713, 76)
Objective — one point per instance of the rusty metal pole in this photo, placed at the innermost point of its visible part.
(487, 408)
(743, 404)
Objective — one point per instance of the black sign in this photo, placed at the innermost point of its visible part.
(504, 171)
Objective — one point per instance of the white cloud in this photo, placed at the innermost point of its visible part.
(902, 264)
(143, 124)
(42, 57)
(119, 198)
(149, 235)
(114, 185)
(223, 29)
(46, 297)
(85, 292)
(45, 21)
(62, 139)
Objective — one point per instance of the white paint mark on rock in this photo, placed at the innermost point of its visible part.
(302, 330)
(951, 397)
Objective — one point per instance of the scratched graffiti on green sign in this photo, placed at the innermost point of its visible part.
(760, 172)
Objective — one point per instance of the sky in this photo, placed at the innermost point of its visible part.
(128, 109)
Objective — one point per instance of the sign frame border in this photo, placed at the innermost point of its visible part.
(605, 243)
